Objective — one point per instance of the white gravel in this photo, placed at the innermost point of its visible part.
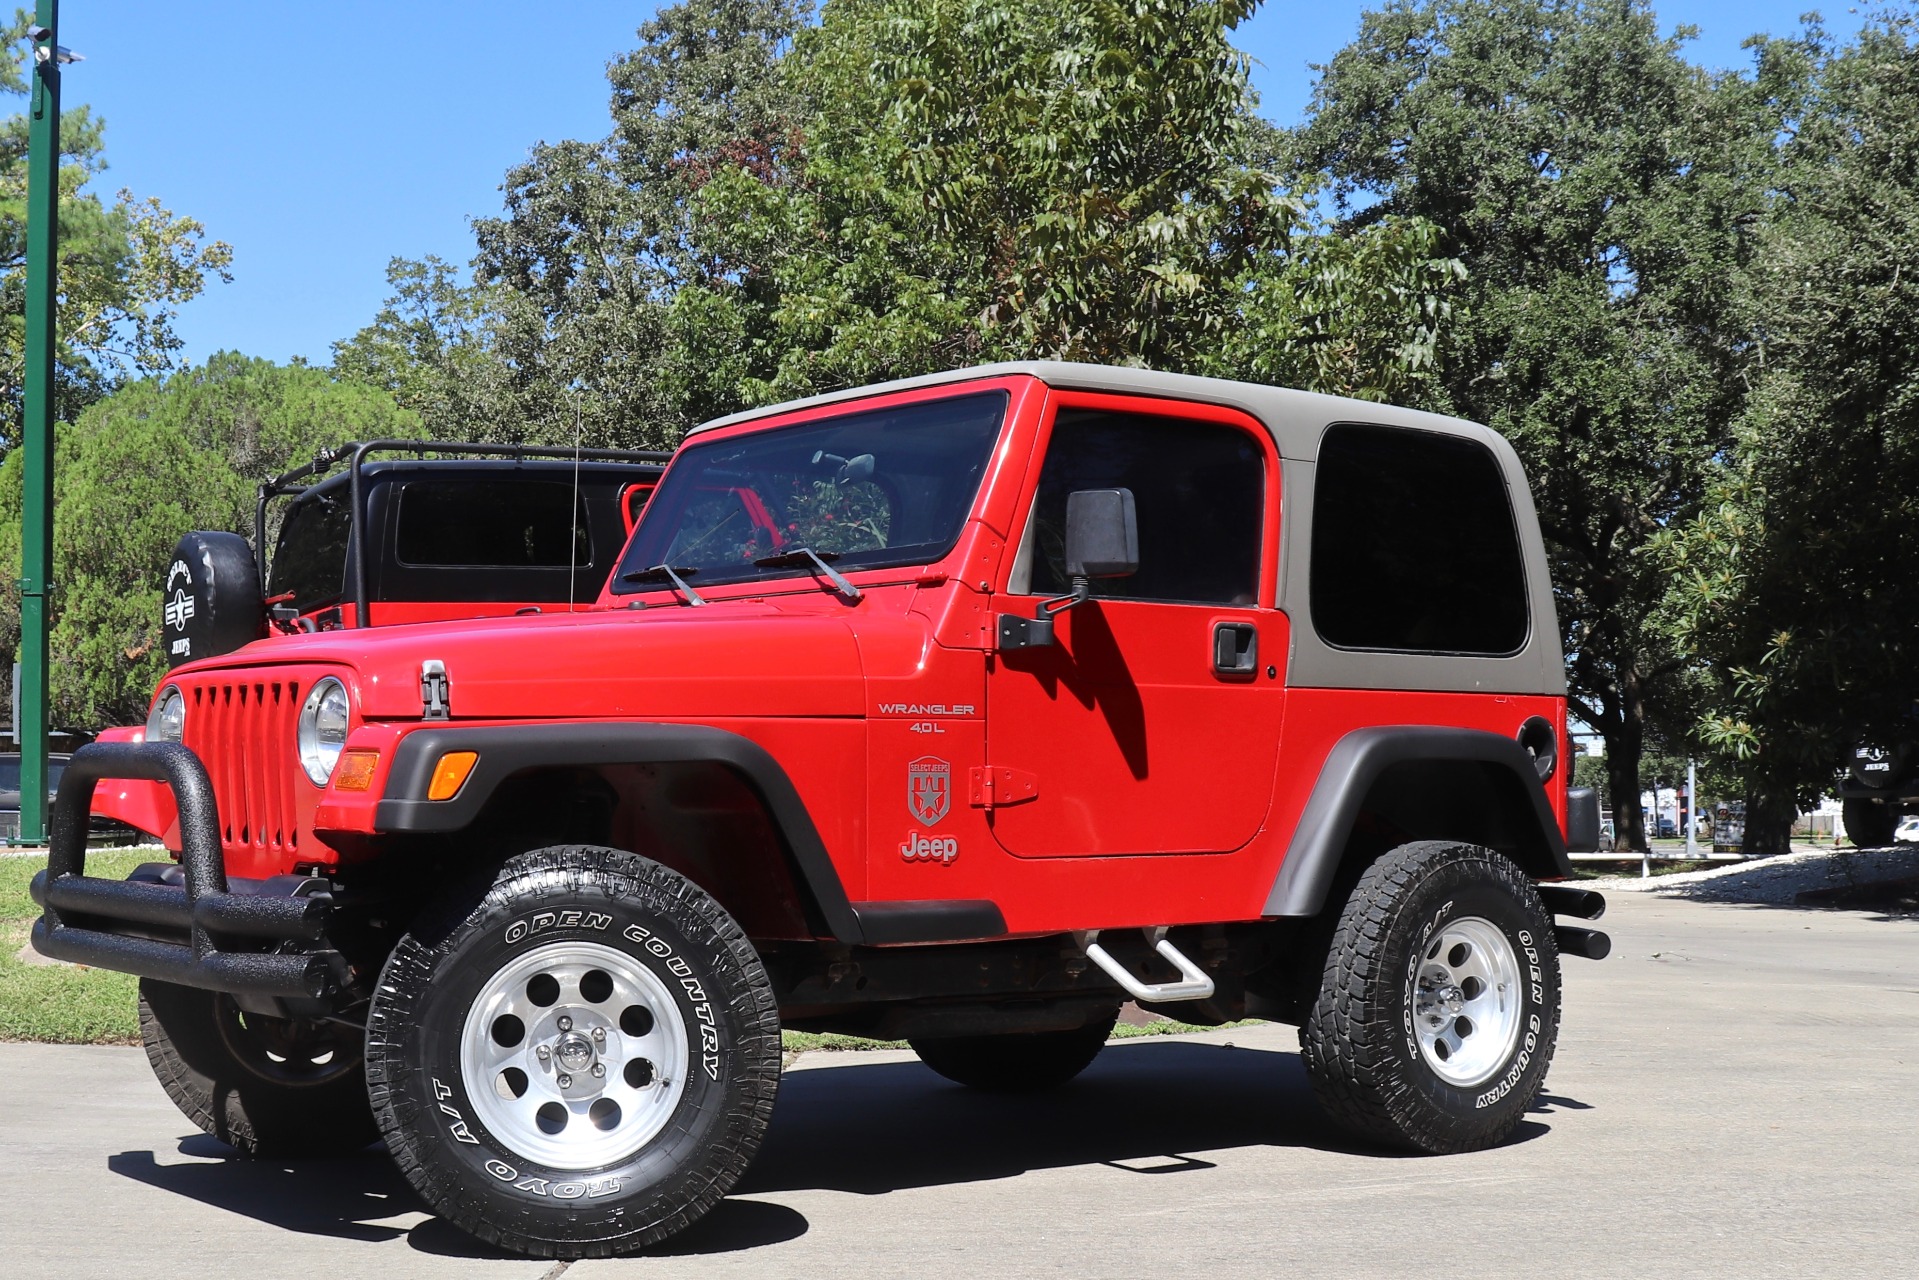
(1773, 881)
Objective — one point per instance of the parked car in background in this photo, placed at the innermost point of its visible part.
(1907, 831)
(476, 530)
(1666, 829)
(1608, 836)
(99, 830)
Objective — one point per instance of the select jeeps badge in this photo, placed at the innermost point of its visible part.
(929, 789)
(929, 796)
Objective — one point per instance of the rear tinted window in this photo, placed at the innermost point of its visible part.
(1414, 546)
(309, 559)
(492, 524)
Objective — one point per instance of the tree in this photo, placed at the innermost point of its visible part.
(143, 466)
(596, 237)
(1602, 193)
(907, 187)
(983, 179)
(1794, 587)
(124, 268)
(430, 348)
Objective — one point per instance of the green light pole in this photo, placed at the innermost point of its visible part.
(36, 521)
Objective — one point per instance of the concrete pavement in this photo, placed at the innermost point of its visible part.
(1736, 1093)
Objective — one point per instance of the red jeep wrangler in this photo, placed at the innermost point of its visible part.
(957, 710)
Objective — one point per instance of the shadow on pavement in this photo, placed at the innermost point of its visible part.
(354, 1198)
(863, 1128)
(346, 1198)
(877, 1127)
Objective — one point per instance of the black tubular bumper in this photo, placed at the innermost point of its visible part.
(187, 924)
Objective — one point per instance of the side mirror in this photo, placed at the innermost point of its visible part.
(1102, 534)
(1102, 541)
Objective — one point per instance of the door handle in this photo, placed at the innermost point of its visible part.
(1235, 648)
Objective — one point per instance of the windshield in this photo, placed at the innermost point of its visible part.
(310, 558)
(884, 488)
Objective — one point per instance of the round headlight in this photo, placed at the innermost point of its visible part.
(167, 722)
(323, 729)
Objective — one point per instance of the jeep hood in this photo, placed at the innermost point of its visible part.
(728, 659)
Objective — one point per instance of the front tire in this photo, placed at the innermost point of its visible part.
(1023, 1062)
(264, 1086)
(1438, 1009)
(1869, 824)
(578, 1062)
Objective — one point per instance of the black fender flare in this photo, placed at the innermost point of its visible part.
(1353, 765)
(506, 750)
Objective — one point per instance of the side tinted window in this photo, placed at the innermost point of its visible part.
(1414, 547)
(492, 524)
(1197, 487)
(310, 557)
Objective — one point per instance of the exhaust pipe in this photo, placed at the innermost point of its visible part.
(1574, 941)
(1566, 900)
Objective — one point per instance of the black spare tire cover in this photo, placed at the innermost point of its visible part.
(1878, 766)
(211, 601)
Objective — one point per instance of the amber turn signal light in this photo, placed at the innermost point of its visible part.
(355, 770)
(450, 774)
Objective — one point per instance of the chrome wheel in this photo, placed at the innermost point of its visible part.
(574, 1055)
(1466, 1000)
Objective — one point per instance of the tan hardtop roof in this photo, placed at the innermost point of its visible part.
(1296, 419)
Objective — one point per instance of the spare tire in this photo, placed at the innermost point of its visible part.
(211, 601)
(1878, 767)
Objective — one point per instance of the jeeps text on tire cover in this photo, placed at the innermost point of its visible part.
(958, 710)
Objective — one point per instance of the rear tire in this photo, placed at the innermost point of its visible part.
(1869, 824)
(1023, 1062)
(1438, 1008)
(264, 1086)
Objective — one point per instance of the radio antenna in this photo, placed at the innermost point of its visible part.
(573, 544)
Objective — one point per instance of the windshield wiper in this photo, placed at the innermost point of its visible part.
(667, 573)
(806, 555)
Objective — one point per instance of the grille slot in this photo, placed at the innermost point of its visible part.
(243, 732)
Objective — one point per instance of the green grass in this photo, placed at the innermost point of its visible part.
(1126, 1031)
(61, 1004)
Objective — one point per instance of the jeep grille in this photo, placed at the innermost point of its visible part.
(243, 732)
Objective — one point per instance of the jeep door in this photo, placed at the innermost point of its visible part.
(1152, 724)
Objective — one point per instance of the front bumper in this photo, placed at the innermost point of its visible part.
(189, 924)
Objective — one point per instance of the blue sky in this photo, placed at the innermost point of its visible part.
(320, 139)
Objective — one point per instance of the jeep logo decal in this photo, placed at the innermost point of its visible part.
(929, 789)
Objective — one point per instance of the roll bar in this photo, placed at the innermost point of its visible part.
(356, 453)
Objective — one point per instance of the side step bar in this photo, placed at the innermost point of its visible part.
(1193, 983)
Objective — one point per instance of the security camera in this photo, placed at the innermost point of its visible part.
(39, 33)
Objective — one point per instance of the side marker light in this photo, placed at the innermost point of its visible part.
(355, 771)
(450, 774)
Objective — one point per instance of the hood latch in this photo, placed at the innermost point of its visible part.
(436, 693)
